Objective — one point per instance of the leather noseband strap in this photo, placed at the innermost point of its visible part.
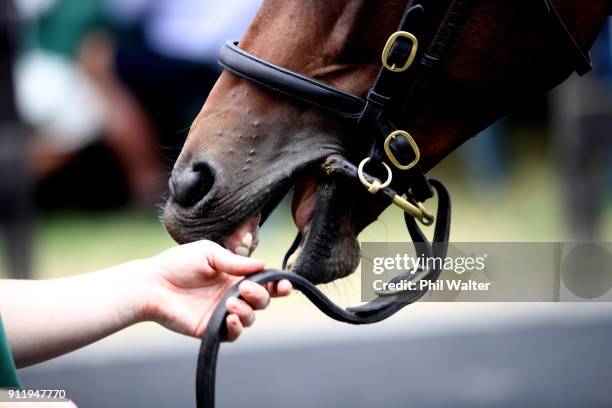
(289, 83)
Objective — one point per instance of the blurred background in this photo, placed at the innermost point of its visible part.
(96, 99)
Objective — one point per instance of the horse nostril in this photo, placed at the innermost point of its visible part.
(191, 185)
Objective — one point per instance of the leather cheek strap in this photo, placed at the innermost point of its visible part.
(297, 86)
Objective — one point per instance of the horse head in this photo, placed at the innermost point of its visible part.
(249, 146)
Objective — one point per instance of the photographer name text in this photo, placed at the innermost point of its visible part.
(440, 285)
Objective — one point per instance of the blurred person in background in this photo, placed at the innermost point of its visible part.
(15, 198)
(167, 55)
(127, 75)
(582, 129)
(130, 75)
(67, 91)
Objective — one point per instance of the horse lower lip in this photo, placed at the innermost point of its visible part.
(326, 238)
(303, 211)
(298, 251)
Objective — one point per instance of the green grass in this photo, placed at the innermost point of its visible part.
(69, 243)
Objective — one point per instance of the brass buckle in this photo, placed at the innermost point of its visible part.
(387, 50)
(411, 142)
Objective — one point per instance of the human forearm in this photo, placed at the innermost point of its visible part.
(46, 318)
(178, 288)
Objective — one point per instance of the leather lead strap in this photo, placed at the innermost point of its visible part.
(372, 312)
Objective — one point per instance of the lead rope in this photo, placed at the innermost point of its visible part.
(372, 312)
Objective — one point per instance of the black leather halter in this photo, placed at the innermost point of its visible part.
(407, 67)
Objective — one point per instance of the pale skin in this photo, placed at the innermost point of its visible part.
(178, 289)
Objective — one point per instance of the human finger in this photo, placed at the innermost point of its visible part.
(242, 309)
(283, 288)
(255, 295)
(234, 327)
(226, 261)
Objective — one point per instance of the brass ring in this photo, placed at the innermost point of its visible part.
(374, 186)
(426, 217)
(411, 142)
(387, 50)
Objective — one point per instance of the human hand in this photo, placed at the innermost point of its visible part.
(184, 284)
